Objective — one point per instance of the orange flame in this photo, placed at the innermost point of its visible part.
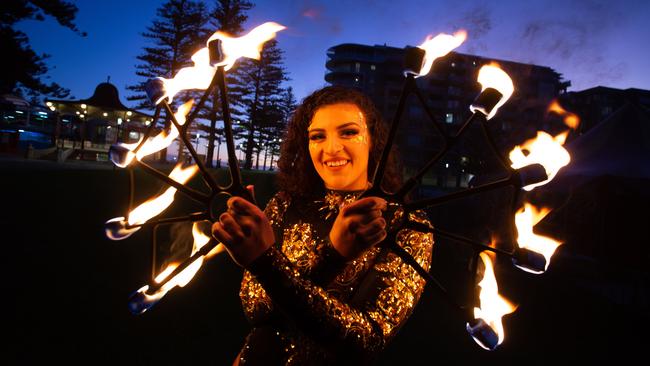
(155, 206)
(186, 275)
(160, 141)
(545, 150)
(525, 219)
(571, 120)
(493, 306)
(200, 75)
(492, 76)
(439, 46)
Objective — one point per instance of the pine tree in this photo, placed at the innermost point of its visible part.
(261, 83)
(176, 33)
(23, 69)
(227, 16)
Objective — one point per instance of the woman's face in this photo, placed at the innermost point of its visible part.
(339, 146)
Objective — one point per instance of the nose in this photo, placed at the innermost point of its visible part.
(333, 145)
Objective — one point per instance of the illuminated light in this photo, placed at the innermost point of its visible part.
(492, 308)
(49, 104)
(21, 130)
(439, 46)
(83, 106)
(77, 112)
(141, 301)
(525, 219)
(571, 120)
(128, 120)
(545, 150)
(128, 113)
(147, 123)
(200, 75)
(154, 144)
(108, 128)
(82, 115)
(52, 109)
(155, 206)
(105, 114)
(491, 76)
(19, 112)
(119, 121)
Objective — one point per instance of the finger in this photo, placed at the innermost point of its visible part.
(373, 227)
(365, 204)
(231, 226)
(221, 235)
(377, 238)
(242, 206)
(370, 216)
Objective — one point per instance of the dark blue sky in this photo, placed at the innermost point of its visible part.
(590, 42)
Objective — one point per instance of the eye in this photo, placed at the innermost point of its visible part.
(316, 137)
(350, 132)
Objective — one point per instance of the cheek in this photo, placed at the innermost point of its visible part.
(314, 152)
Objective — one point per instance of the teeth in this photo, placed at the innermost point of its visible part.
(336, 163)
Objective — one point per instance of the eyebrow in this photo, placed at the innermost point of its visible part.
(338, 128)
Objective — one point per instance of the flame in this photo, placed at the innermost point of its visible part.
(545, 150)
(157, 205)
(439, 46)
(525, 219)
(571, 120)
(160, 141)
(200, 75)
(491, 76)
(186, 275)
(249, 45)
(493, 306)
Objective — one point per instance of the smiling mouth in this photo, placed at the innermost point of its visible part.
(336, 163)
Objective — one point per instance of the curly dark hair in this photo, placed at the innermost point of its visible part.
(297, 175)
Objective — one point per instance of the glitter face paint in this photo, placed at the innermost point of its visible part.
(339, 146)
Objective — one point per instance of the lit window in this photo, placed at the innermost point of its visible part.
(372, 67)
(357, 67)
(449, 118)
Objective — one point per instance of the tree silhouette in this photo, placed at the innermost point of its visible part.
(24, 70)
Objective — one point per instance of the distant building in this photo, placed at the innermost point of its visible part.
(92, 125)
(448, 89)
(87, 126)
(23, 124)
(595, 105)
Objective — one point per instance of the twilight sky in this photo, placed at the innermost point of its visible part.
(590, 42)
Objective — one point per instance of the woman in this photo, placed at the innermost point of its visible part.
(317, 289)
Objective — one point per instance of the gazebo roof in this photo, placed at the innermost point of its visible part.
(105, 96)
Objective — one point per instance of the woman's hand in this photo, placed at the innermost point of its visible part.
(244, 230)
(359, 226)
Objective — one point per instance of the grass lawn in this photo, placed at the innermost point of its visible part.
(68, 285)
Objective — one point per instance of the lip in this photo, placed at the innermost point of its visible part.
(336, 167)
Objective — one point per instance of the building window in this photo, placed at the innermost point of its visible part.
(452, 104)
(372, 67)
(357, 67)
(134, 135)
(453, 91)
(449, 118)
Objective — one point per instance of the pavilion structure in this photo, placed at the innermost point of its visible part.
(90, 126)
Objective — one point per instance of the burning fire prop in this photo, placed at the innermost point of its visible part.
(531, 165)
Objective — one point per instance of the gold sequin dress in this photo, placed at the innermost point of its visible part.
(308, 306)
